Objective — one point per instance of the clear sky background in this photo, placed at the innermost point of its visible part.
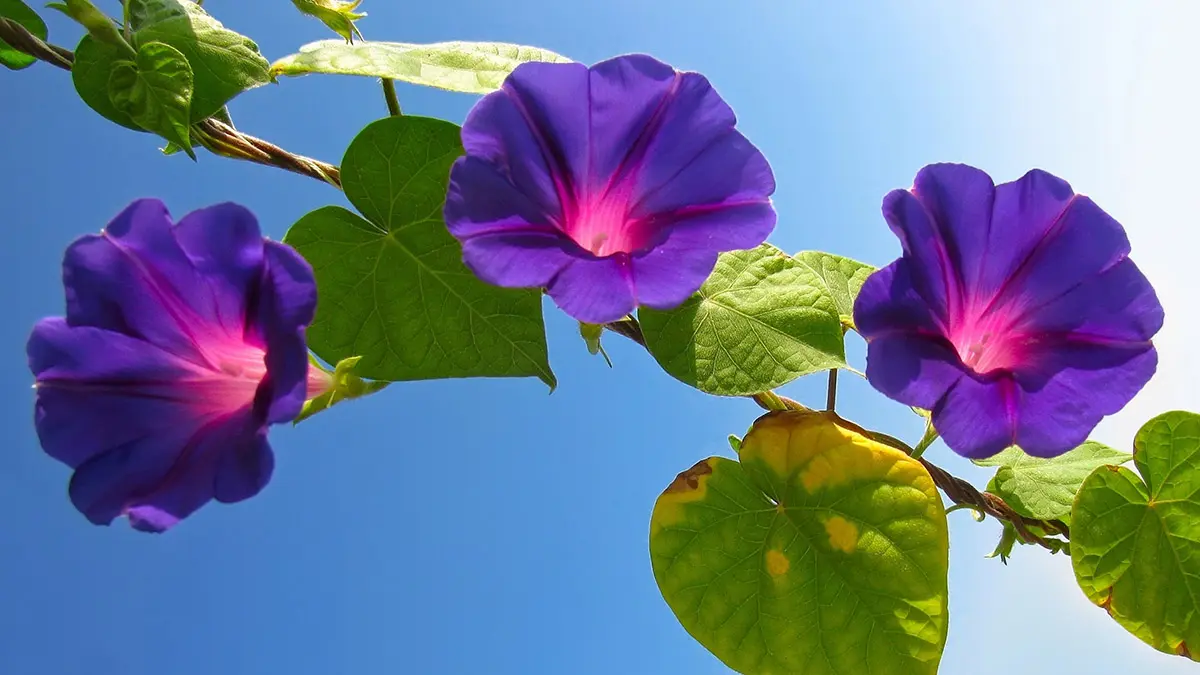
(485, 526)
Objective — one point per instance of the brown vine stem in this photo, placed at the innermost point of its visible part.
(956, 489)
(216, 136)
(224, 140)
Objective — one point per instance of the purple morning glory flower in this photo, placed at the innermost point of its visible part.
(1014, 315)
(180, 346)
(611, 186)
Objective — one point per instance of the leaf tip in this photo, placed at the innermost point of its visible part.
(1182, 650)
(690, 480)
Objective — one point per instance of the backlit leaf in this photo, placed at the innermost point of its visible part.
(471, 67)
(822, 552)
(842, 277)
(225, 63)
(760, 321)
(1135, 541)
(1045, 488)
(155, 92)
(393, 287)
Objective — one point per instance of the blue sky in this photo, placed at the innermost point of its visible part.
(484, 526)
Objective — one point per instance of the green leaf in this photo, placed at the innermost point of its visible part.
(822, 552)
(21, 13)
(393, 286)
(94, 63)
(760, 321)
(1045, 488)
(155, 92)
(225, 63)
(842, 278)
(338, 16)
(471, 67)
(1135, 545)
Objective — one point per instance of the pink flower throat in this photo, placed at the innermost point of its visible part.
(989, 341)
(239, 368)
(601, 224)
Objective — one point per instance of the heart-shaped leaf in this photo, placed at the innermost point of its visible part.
(842, 277)
(394, 289)
(1135, 541)
(155, 92)
(1045, 488)
(761, 320)
(821, 552)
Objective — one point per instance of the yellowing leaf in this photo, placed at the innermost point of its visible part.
(822, 552)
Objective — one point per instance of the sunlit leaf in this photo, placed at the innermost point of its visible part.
(393, 287)
(760, 321)
(21, 13)
(1045, 488)
(225, 63)
(471, 67)
(1135, 541)
(822, 552)
(842, 277)
(155, 92)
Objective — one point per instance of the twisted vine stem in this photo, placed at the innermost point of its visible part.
(214, 135)
(222, 139)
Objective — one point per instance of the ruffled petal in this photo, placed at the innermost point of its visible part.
(1072, 385)
(534, 131)
(1117, 305)
(977, 418)
(287, 301)
(595, 291)
(1084, 244)
(696, 157)
(666, 275)
(889, 302)
(481, 201)
(99, 390)
(958, 200)
(243, 474)
(161, 480)
(912, 369)
(134, 279)
(106, 486)
(933, 273)
(630, 98)
(225, 247)
(908, 360)
(519, 259)
(1023, 213)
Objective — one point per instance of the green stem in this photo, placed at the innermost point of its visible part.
(928, 439)
(389, 95)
